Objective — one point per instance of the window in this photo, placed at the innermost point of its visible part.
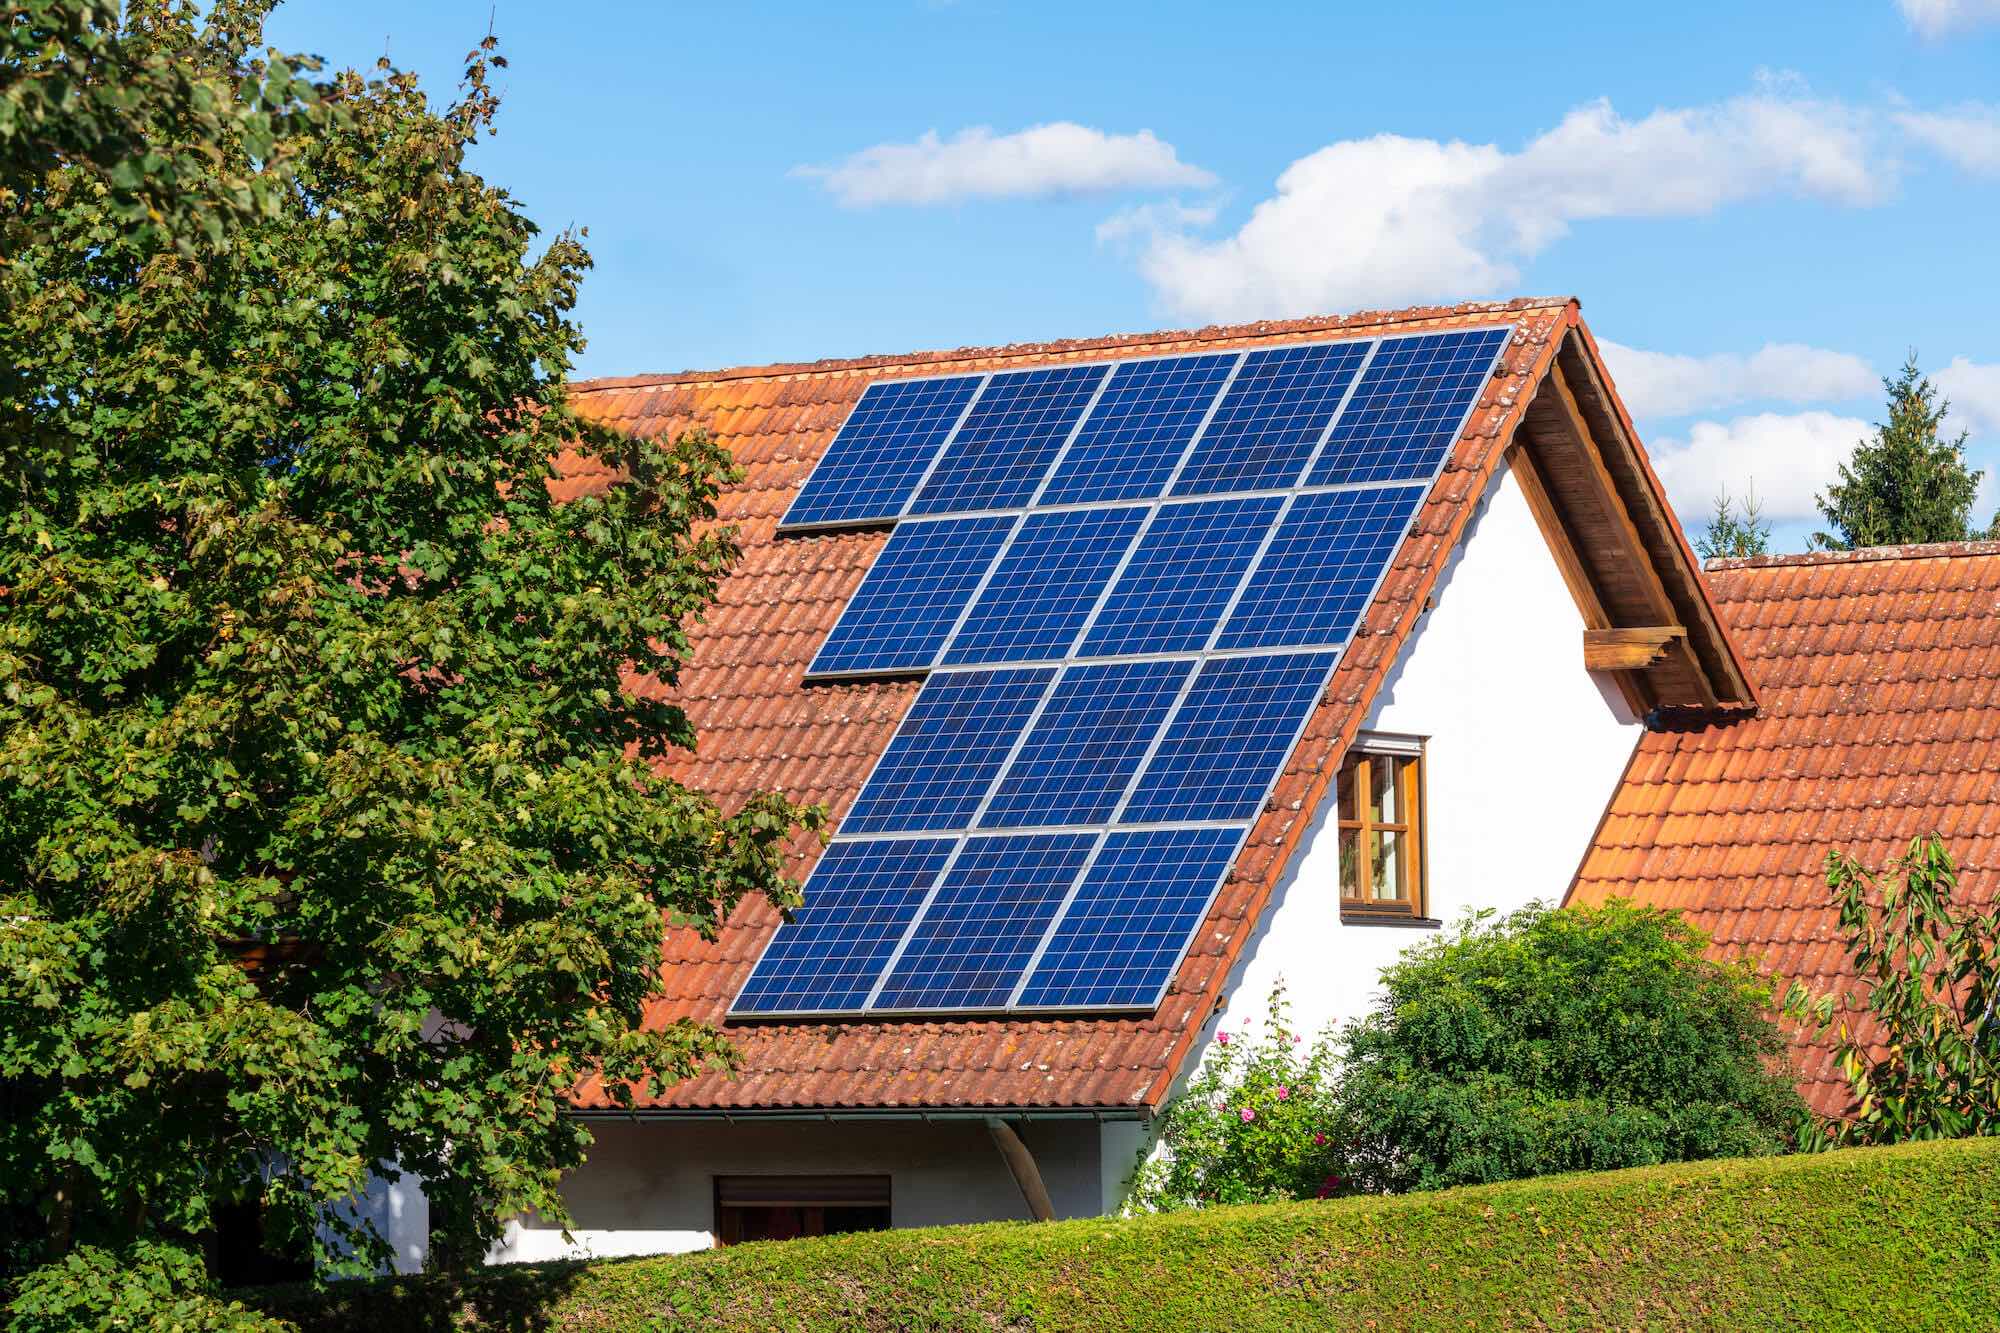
(1381, 805)
(786, 1207)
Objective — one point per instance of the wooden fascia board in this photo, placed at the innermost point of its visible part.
(1633, 545)
(1707, 621)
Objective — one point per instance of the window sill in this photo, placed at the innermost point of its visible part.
(1351, 917)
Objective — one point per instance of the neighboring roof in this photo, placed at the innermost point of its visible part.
(761, 727)
(1879, 675)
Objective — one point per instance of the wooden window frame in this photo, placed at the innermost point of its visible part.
(1413, 862)
(813, 1195)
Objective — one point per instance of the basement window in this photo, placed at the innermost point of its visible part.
(787, 1207)
(1381, 813)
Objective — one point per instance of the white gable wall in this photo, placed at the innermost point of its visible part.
(1523, 749)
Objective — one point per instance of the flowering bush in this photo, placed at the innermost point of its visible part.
(1253, 1125)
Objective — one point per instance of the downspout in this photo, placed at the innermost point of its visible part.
(1021, 1163)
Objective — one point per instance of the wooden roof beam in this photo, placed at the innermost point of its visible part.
(1629, 649)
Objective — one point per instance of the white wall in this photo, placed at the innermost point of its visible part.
(649, 1186)
(1524, 749)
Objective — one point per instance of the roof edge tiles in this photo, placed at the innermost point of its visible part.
(1862, 555)
(763, 727)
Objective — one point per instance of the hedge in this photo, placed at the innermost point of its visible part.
(1878, 1238)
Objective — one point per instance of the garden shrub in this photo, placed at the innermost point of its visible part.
(1560, 1040)
(1252, 1126)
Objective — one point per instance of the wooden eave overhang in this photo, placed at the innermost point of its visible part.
(1648, 619)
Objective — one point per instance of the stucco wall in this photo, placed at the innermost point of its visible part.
(649, 1186)
(1524, 747)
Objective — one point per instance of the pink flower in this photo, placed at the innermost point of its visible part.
(1222, 1038)
(1248, 1115)
(1319, 1140)
(1296, 1039)
(1284, 1093)
(1328, 1186)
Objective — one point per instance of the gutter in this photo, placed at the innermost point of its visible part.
(972, 1114)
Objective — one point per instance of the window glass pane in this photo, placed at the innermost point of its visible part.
(1345, 799)
(1350, 862)
(1386, 866)
(1385, 792)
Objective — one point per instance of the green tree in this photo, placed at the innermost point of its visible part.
(1916, 1038)
(329, 841)
(1733, 535)
(1551, 1041)
(1907, 485)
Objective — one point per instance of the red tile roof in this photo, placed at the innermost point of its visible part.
(761, 728)
(1879, 676)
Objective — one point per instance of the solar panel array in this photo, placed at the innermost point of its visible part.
(1129, 583)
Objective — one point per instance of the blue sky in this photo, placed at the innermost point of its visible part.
(1762, 211)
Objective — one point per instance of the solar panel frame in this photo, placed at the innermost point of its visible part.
(1001, 623)
(1225, 844)
(930, 973)
(1073, 480)
(803, 515)
(977, 471)
(1335, 464)
(966, 723)
(867, 640)
(832, 942)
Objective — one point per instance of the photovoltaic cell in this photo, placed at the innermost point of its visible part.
(859, 901)
(1138, 430)
(1044, 587)
(1181, 576)
(1119, 941)
(1271, 418)
(1086, 745)
(901, 614)
(1225, 746)
(945, 754)
(1315, 579)
(970, 946)
(1004, 449)
(882, 450)
(1406, 412)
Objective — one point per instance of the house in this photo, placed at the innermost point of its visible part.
(1502, 645)
(1878, 678)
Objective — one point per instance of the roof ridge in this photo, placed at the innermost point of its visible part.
(1103, 342)
(1911, 551)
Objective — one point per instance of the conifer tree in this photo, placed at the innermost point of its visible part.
(1909, 484)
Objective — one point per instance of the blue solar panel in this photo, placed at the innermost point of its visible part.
(859, 901)
(1000, 455)
(945, 754)
(1124, 932)
(1086, 745)
(1271, 419)
(1181, 577)
(1139, 429)
(1044, 587)
(1407, 411)
(1315, 580)
(882, 451)
(914, 593)
(1225, 746)
(981, 929)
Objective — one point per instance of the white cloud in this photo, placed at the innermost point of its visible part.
(1663, 384)
(1935, 18)
(1968, 137)
(1391, 220)
(1145, 219)
(1787, 457)
(1974, 392)
(1059, 158)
